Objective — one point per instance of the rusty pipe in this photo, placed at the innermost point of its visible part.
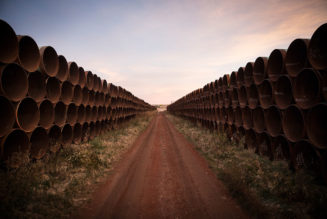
(81, 77)
(66, 135)
(62, 73)
(230, 116)
(49, 63)
(263, 141)
(54, 134)
(97, 128)
(260, 70)
(89, 80)
(238, 117)
(296, 57)
(81, 114)
(247, 118)
(316, 125)
(252, 96)
(92, 130)
(53, 89)
(234, 98)
(71, 114)
(303, 156)
(8, 43)
(36, 86)
(73, 73)
(27, 114)
(242, 96)
(47, 114)
(225, 82)
(39, 140)
(14, 144)
(77, 95)
(28, 53)
(258, 120)
(324, 83)
(85, 132)
(265, 94)
(66, 92)
(227, 98)
(273, 121)
(77, 133)
(60, 113)
(282, 92)
(233, 79)
(95, 83)
(276, 64)
(250, 139)
(317, 50)
(91, 97)
(88, 113)
(248, 74)
(240, 77)
(85, 96)
(293, 124)
(307, 88)
(13, 82)
(104, 86)
(7, 116)
(280, 148)
(94, 114)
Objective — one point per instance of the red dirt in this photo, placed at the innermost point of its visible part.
(162, 176)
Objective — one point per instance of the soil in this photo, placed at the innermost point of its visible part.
(162, 176)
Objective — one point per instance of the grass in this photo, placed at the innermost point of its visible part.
(264, 188)
(60, 183)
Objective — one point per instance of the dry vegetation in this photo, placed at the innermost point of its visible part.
(59, 183)
(264, 188)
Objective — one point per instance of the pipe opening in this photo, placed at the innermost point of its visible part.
(317, 51)
(73, 76)
(81, 114)
(53, 89)
(77, 133)
(7, 116)
(62, 73)
(28, 53)
(265, 94)
(67, 134)
(66, 92)
(273, 121)
(293, 124)
(248, 74)
(252, 96)
(49, 63)
(280, 148)
(283, 92)
(259, 70)
(36, 86)
(39, 143)
(71, 114)
(54, 138)
(78, 95)
(8, 43)
(275, 67)
(296, 56)
(316, 125)
(81, 77)
(242, 96)
(60, 114)
(47, 114)
(258, 120)
(28, 114)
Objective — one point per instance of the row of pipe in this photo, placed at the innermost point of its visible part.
(47, 102)
(277, 103)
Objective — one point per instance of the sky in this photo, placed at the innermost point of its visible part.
(162, 50)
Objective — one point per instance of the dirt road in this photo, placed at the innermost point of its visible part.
(162, 176)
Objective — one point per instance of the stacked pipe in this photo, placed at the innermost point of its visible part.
(47, 102)
(278, 103)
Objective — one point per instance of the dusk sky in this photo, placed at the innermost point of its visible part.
(162, 50)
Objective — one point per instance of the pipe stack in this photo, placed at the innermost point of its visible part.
(278, 103)
(47, 102)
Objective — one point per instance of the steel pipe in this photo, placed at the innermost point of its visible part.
(238, 117)
(91, 97)
(94, 114)
(36, 86)
(77, 133)
(62, 73)
(317, 51)
(27, 114)
(258, 117)
(85, 132)
(7, 116)
(263, 142)
(47, 114)
(8, 43)
(53, 89)
(78, 95)
(81, 114)
(71, 114)
(97, 128)
(242, 96)
(234, 97)
(73, 73)
(260, 70)
(273, 121)
(233, 79)
(89, 80)
(92, 130)
(225, 81)
(276, 64)
(230, 116)
(66, 135)
(252, 96)
(28, 53)
(240, 77)
(13, 146)
(66, 92)
(307, 88)
(280, 148)
(293, 124)
(14, 82)
(49, 63)
(247, 118)
(54, 134)
(104, 86)
(250, 139)
(81, 77)
(60, 114)
(39, 143)
(303, 156)
(85, 96)
(88, 113)
(265, 94)
(296, 57)
(282, 92)
(316, 125)
(248, 74)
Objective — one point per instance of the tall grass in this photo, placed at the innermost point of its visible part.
(59, 183)
(266, 189)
